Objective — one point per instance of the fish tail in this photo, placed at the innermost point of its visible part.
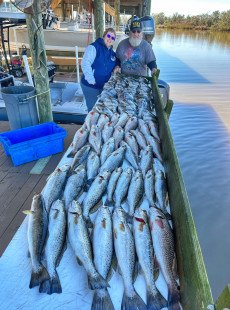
(102, 301)
(38, 276)
(129, 218)
(155, 301)
(97, 282)
(133, 303)
(51, 285)
(71, 154)
(108, 203)
(173, 298)
(89, 183)
(88, 222)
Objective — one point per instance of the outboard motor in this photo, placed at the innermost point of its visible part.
(148, 28)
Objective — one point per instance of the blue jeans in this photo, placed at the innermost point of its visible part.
(90, 95)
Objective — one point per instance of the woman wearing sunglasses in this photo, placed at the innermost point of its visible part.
(98, 63)
(136, 54)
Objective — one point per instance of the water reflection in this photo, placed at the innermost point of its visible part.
(203, 146)
(175, 70)
(197, 66)
(210, 38)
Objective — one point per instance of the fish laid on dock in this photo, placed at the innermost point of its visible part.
(115, 170)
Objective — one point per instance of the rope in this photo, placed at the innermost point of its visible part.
(47, 91)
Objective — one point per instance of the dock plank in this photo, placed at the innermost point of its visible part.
(20, 216)
(10, 186)
(5, 162)
(18, 186)
(2, 175)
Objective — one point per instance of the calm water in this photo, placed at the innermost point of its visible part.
(197, 67)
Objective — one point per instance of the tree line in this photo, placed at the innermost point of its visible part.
(216, 21)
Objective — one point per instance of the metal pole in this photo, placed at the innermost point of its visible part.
(16, 40)
(77, 64)
(27, 67)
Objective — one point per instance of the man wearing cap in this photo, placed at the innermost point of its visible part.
(136, 54)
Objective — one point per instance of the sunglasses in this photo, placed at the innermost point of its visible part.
(134, 31)
(110, 37)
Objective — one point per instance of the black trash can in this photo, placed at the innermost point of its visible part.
(20, 106)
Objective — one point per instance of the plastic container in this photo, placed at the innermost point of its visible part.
(20, 106)
(31, 143)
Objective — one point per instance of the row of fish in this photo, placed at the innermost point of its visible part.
(149, 235)
(115, 161)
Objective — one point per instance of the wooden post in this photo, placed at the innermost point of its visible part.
(117, 14)
(38, 54)
(139, 10)
(146, 7)
(99, 17)
(63, 10)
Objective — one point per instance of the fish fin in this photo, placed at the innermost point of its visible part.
(108, 203)
(114, 262)
(38, 276)
(119, 270)
(79, 261)
(136, 270)
(133, 303)
(43, 245)
(88, 223)
(167, 216)
(90, 234)
(174, 268)
(71, 154)
(49, 176)
(113, 267)
(124, 199)
(156, 270)
(167, 199)
(96, 207)
(129, 218)
(89, 183)
(81, 192)
(102, 301)
(173, 298)
(28, 212)
(97, 282)
(51, 285)
(164, 211)
(155, 301)
(62, 253)
(28, 254)
(110, 274)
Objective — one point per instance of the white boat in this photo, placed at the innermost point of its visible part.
(67, 103)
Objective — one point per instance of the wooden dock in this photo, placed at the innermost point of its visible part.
(19, 184)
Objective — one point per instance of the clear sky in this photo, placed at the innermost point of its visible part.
(189, 7)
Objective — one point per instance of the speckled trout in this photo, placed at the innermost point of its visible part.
(125, 252)
(78, 237)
